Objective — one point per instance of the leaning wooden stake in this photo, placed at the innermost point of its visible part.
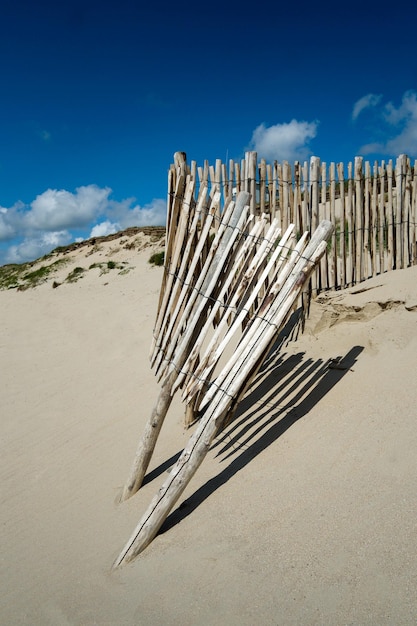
(150, 435)
(199, 444)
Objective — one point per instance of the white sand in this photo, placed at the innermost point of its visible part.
(307, 515)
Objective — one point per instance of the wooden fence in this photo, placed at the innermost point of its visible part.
(242, 245)
(228, 288)
(373, 208)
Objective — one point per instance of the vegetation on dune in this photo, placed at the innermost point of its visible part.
(27, 275)
(10, 275)
(157, 258)
(75, 275)
(105, 267)
(22, 276)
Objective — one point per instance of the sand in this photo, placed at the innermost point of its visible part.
(304, 511)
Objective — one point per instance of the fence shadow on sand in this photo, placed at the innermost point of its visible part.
(287, 387)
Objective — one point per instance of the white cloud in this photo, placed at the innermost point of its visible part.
(53, 209)
(9, 221)
(370, 100)
(404, 117)
(289, 142)
(104, 228)
(35, 247)
(405, 112)
(152, 214)
(6, 229)
(401, 124)
(48, 221)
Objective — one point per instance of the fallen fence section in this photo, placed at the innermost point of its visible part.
(231, 279)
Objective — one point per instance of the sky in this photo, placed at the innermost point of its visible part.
(96, 97)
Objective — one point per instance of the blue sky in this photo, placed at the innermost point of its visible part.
(97, 96)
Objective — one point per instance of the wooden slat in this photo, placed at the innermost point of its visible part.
(285, 204)
(413, 217)
(359, 234)
(400, 170)
(298, 213)
(251, 167)
(397, 198)
(271, 202)
(306, 225)
(291, 215)
(366, 220)
(382, 233)
(351, 227)
(275, 192)
(227, 195)
(407, 213)
(342, 224)
(262, 185)
(238, 179)
(324, 214)
(374, 221)
(332, 254)
(390, 218)
(314, 212)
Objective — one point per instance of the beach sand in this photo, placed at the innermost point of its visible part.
(303, 512)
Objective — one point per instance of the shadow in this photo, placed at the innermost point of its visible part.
(283, 396)
(163, 467)
(269, 394)
(272, 363)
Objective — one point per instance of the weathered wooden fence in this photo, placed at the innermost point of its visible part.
(373, 208)
(241, 246)
(231, 279)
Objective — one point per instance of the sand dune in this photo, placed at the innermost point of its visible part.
(304, 511)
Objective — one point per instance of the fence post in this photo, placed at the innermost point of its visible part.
(314, 212)
(413, 216)
(400, 167)
(367, 224)
(333, 273)
(390, 219)
(342, 225)
(359, 234)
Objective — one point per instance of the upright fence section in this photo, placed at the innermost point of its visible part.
(373, 207)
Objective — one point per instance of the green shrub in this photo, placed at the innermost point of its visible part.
(157, 259)
(75, 275)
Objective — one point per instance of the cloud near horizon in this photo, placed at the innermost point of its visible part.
(29, 231)
(284, 142)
